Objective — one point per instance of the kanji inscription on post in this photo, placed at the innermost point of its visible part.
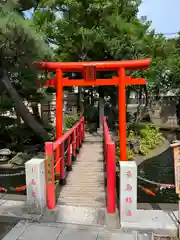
(33, 187)
(128, 187)
(128, 196)
(176, 151)
(49, 169)
(129, 213)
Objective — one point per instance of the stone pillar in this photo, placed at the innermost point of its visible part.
(128, 192)
(36, 185)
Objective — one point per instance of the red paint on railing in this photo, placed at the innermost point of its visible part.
(110, 159)
(76, 133)
(50, 184)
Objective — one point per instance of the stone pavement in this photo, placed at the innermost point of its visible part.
(75, 220)
(26, 230)
(6, 224)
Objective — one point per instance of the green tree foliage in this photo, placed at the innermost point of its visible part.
(93, 30)
(20, 46)
(108, 30)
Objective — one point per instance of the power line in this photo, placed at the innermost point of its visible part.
(170, 33)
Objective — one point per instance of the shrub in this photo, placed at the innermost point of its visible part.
(70, 121)
(143, 139)
(150, 137)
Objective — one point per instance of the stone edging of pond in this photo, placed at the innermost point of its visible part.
(152, 153)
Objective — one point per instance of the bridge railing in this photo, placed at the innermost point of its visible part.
(110, 160)
(73, 139)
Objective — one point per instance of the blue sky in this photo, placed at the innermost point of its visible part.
(164, 15)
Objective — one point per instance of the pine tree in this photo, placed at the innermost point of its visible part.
(20, 46)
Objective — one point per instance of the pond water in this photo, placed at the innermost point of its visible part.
(11, 179)
(159, 169)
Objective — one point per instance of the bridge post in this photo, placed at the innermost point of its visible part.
(35, 185)
(111, 177)
(69, 162)
(128, 192)
(74, 146)
(80, 135)
(77, 140)
(62, 165)
(50, 175)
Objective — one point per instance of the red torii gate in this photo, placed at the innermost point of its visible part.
(89, 70)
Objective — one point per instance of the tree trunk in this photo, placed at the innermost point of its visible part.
(139, 104)
(141, 113)
(22, 111)
(17, 117)
(35, 109)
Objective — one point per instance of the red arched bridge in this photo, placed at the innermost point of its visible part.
(85, 186)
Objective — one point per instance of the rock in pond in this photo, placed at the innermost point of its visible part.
(134, 145)
(20, 158)
(5, 152)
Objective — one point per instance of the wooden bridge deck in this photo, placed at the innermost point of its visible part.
(85, 184)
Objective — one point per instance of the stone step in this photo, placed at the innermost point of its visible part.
(79, 187)
(89, 160)
(83, 199)
(83, 204)
(84, 159)
(93, 182)
(87, 176)
(92, 165)
(92, 179)
(88, 169)
(76, 182)
(87, 172)
(93, 203)
(86, 184)
(82, 193)
(89, 165)
(83, 188)
(82, 196)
